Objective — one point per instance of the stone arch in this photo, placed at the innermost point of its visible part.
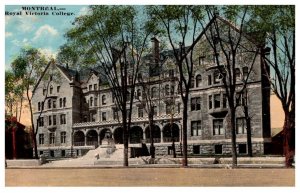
(118, 135)
(103, 133)
(92, 137)
(156, 134)
(79, 138)
(135, 134)
(170, 132)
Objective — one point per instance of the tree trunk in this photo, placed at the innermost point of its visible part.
(289, 138)
(21, 105)
(125, 138)
(184, 132)
(152, 149)
(233, 137)
(248, 125)
(34, 144)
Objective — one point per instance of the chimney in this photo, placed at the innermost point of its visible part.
(155, 50)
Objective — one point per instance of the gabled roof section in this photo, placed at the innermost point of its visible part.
(69, 73)
(43, 74)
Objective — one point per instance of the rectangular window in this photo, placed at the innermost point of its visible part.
(171, 73)
(41, 121)
(115, 115)
(210, 101)
(224, 100)
(49, 104)
(245, 72)
(209, 79)
(50, 120)
(57, 89)
(195, 104)
(128, 113)
(196, 149)
(242, 149)
(168, 109)
(178, 107)
(196, 128)
(218, 127)
(62, 119)
(63, 153)
(64, 102)
(103, 116)
(217, 100)
(54, 104)
(217, 77)
(60, 102)
(201, 60)
(140, 112)
(154, 110)
(42, 106)
(90, 87)
(41, 139)
(96, 102)
(241, 126)
(52, 138)
(95, 86)
(240, 99)
(63, 137)
(218, 149)
(54, 119)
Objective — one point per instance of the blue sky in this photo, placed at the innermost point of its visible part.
(43, 32)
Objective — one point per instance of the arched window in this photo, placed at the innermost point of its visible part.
(39, 106)
(60, 102)
(103, 99)
(198, 80)
(154, 93)
(167, 90)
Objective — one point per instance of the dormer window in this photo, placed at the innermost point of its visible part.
(57, 89)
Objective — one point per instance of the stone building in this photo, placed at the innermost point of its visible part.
(77, 110)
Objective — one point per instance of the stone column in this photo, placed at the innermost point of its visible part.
(180, 130)
(144, 135)
(85, 139)
(161, 136)
(98, 138)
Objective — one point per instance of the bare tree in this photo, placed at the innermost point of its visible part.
(111, 37)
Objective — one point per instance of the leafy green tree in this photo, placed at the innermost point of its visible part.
(28, 68)
(275, 26)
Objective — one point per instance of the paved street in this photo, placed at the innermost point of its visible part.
(136, 177)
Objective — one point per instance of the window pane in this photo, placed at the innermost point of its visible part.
(217, 101)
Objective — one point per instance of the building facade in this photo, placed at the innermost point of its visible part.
(75, 114)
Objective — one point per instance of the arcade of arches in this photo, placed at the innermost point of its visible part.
(137, 134)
